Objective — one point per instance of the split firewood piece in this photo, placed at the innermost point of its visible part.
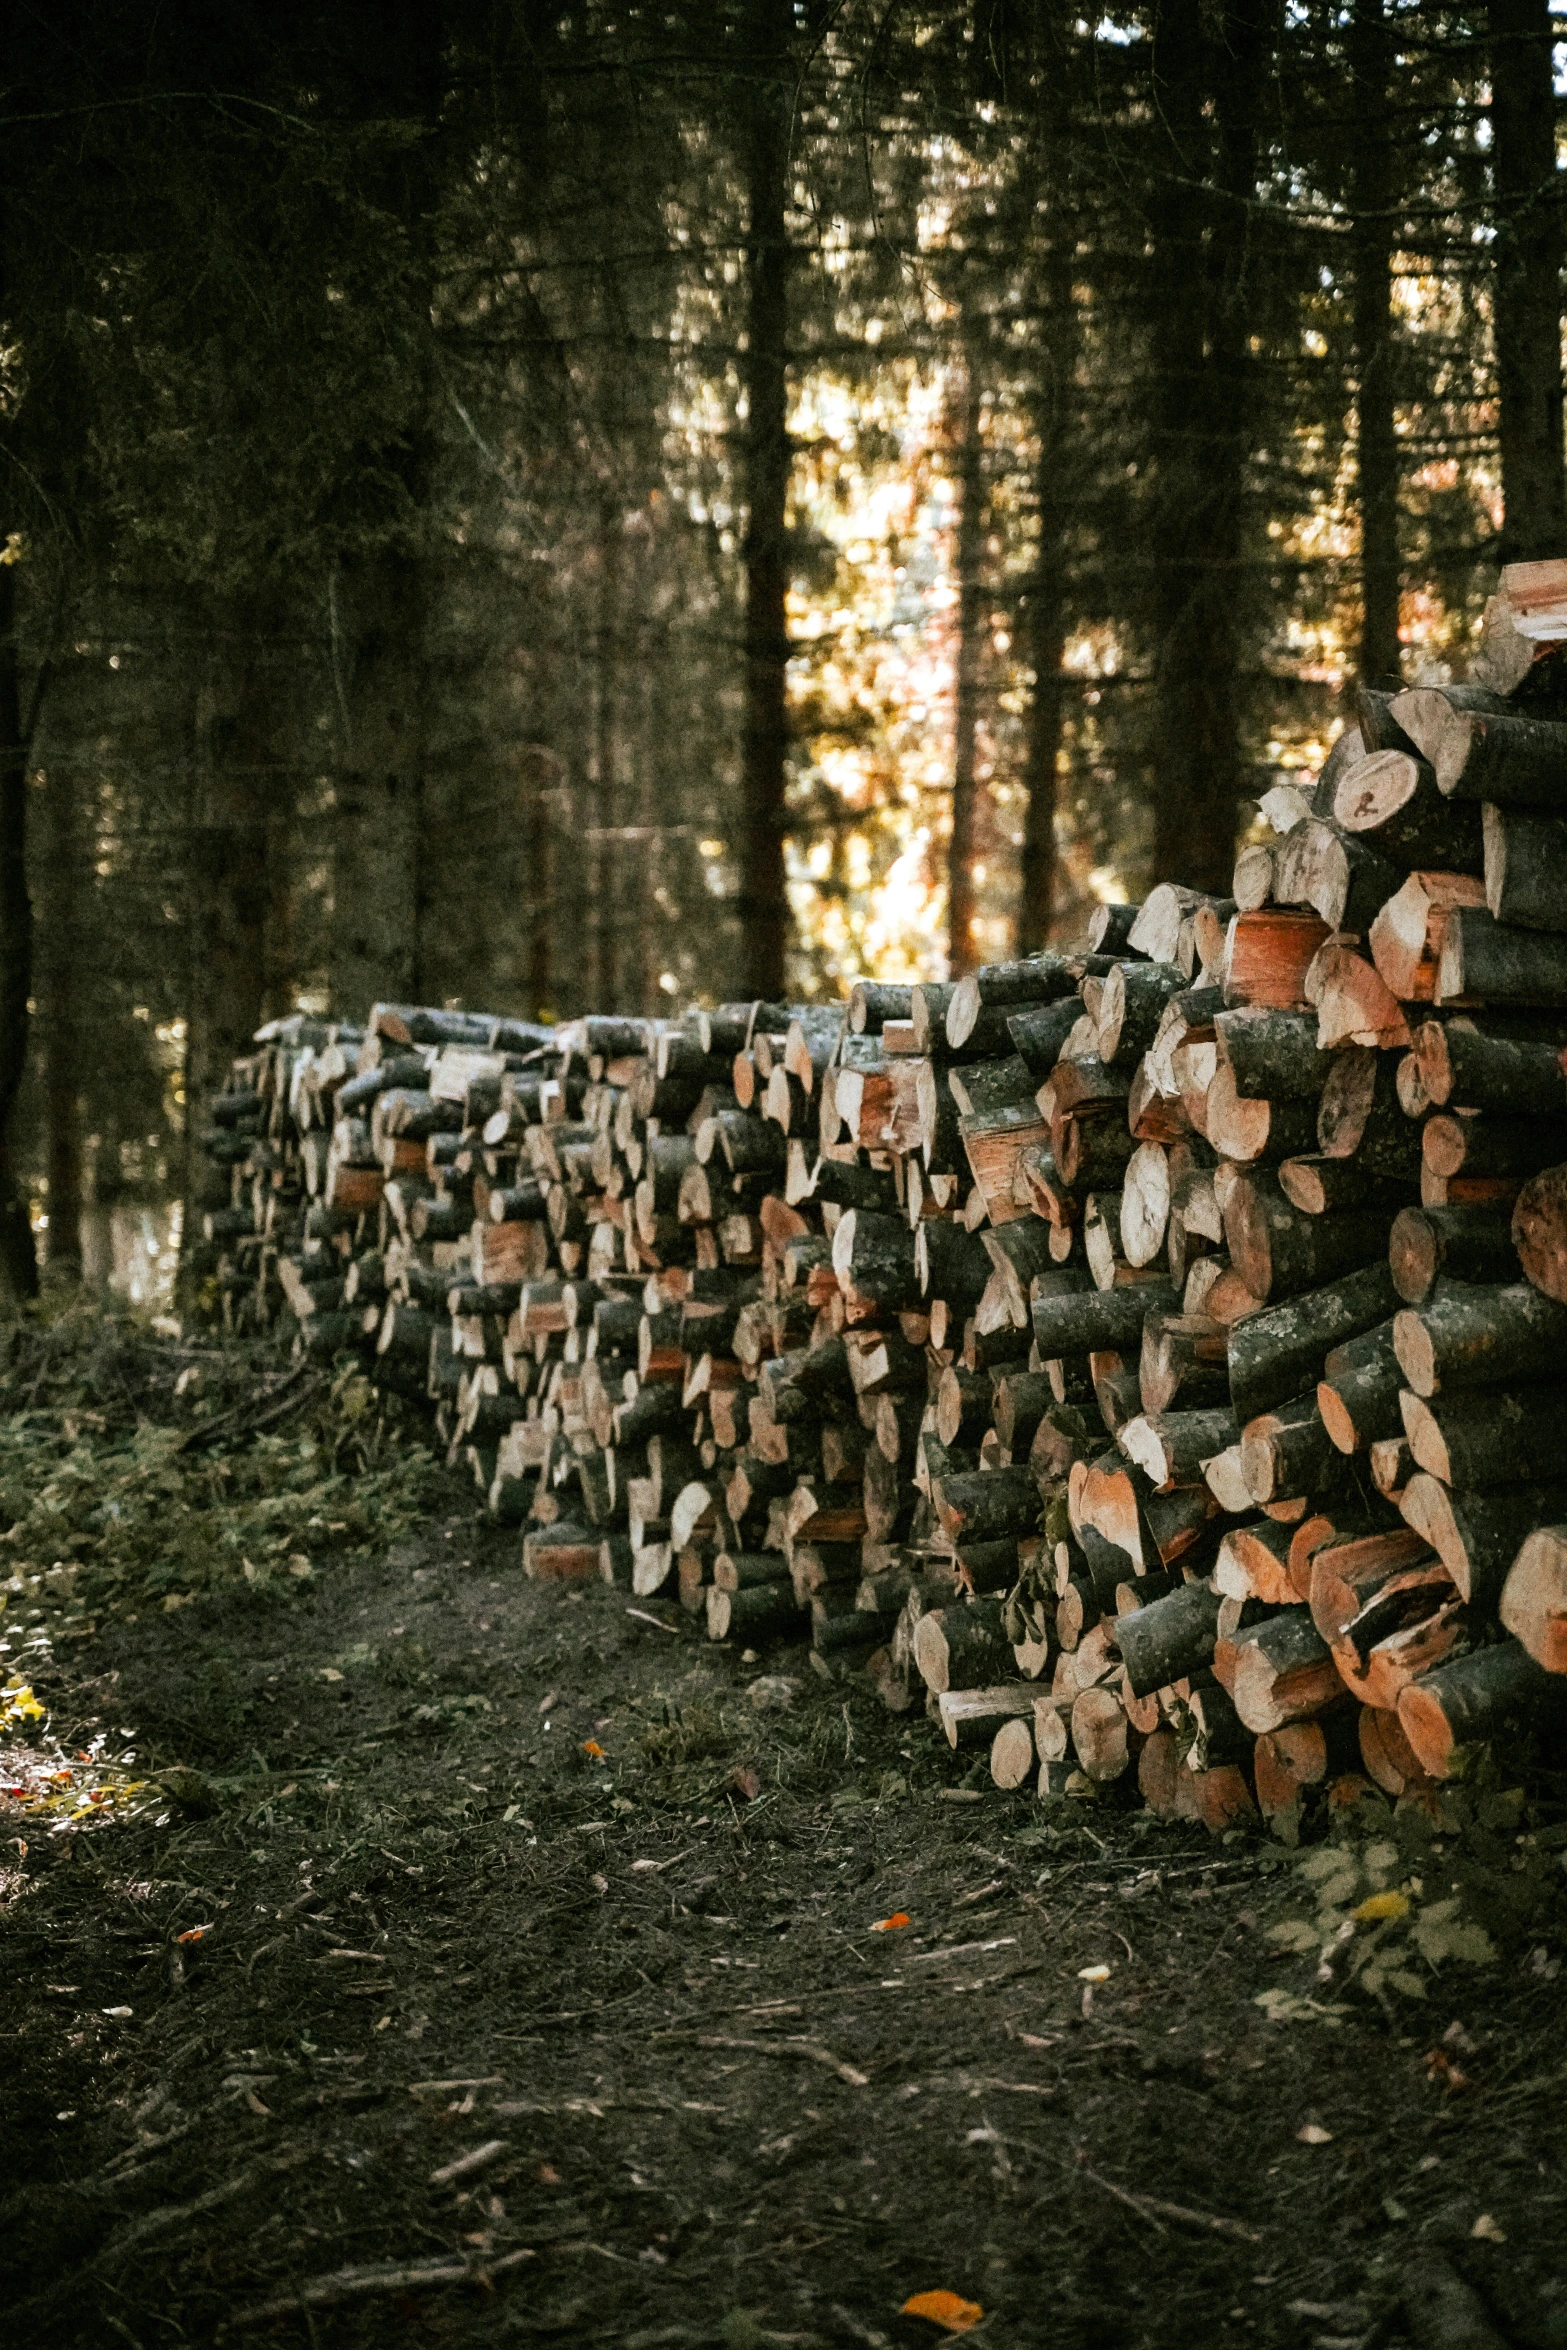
(1523, 624)
(1486, 1436)
(1284, 1671)
(1485, 962)
(1117, 1389)
(1249, 1130)
(997, 989)
(1131, 1007)
(1477, 1535)
(1145, 1203)
(1354, 1003)
(1267, 957)
(1534, 1597)
(1279, 1252)
(1299, 1756)
(1039, 1031)
(1509, 759)
(994, 1141)
(1110, 928)
(1495, 1695)
(758, 1612)
(1156, 932)
(1322, 1186)
(1489, 1146)
(1406, 937)
(969, 1717)
(1463, 1336)
(1169, 1639)
(1539, 1231)
(1472, 1062)
(1393, 797)
(1341, 876)
(1012, 1756)
(561, 1553)
(1172, 1448)
(1526, 869)
(1101, 1734)
(1469, 1243)
(1357, 1395)
(1077, 1323)
(1225, 1478)
(1386, 1755)
(961, 1647)
(1392, 1466)
(1253, 1563)
(1271, 1054)
(873, 1257)
(1406, 1628)
(1287, 1450)
(1252, 886)
(1184, 1360)
(1360, 1116)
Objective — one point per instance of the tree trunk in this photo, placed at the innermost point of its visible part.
(63, 946)
(763, 905)
(1377, 442)
(18, 1261)
(1202, 255)
(1044, 613)
(1528, 304)
(962, 899)
(377, 886)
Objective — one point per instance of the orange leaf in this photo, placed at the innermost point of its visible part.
(592, 1746)
(192, 1934)
(948, 2310)
(899, 1917)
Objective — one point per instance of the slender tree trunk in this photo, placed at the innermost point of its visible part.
(1045, 605)
(1377, 462)
(377, 916)
(64, 941)
(763, 904)
(1202, 251)
(1528, 282)
(18, 1259)
(962, 895)
(234, 751)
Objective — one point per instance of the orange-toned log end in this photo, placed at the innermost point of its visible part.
(1287, 1761)
(1534, 1598)
(1220, 1797)
(1387, 1754)
(1426, 1726)
(1540, 1231)
(1159, 1772)
(1336, 1419)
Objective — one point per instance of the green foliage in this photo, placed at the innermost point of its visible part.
(114, 1511)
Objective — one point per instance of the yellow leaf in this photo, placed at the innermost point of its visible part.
(948, 2310)
(20, 1705)
(1381, 1905)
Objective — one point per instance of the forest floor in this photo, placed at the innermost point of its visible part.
(512, 1966)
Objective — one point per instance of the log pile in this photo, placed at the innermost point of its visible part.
(1146, 1356)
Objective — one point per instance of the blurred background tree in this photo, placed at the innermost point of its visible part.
(604, 505)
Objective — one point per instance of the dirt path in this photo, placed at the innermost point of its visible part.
(538, 1947)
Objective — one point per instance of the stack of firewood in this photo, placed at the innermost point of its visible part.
(1146, 1356)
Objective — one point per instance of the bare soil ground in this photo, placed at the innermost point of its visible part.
(540, 1966)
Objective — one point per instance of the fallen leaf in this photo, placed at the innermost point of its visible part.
(1380, 1906)
(899, 1917)
(119, 2011)
(592, 1746)
(1488, 2230)
(746, 1782)
(193, 1933)
(1093, 1974)
(1313, 2134)
(330, 1673)
(948, 2310)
